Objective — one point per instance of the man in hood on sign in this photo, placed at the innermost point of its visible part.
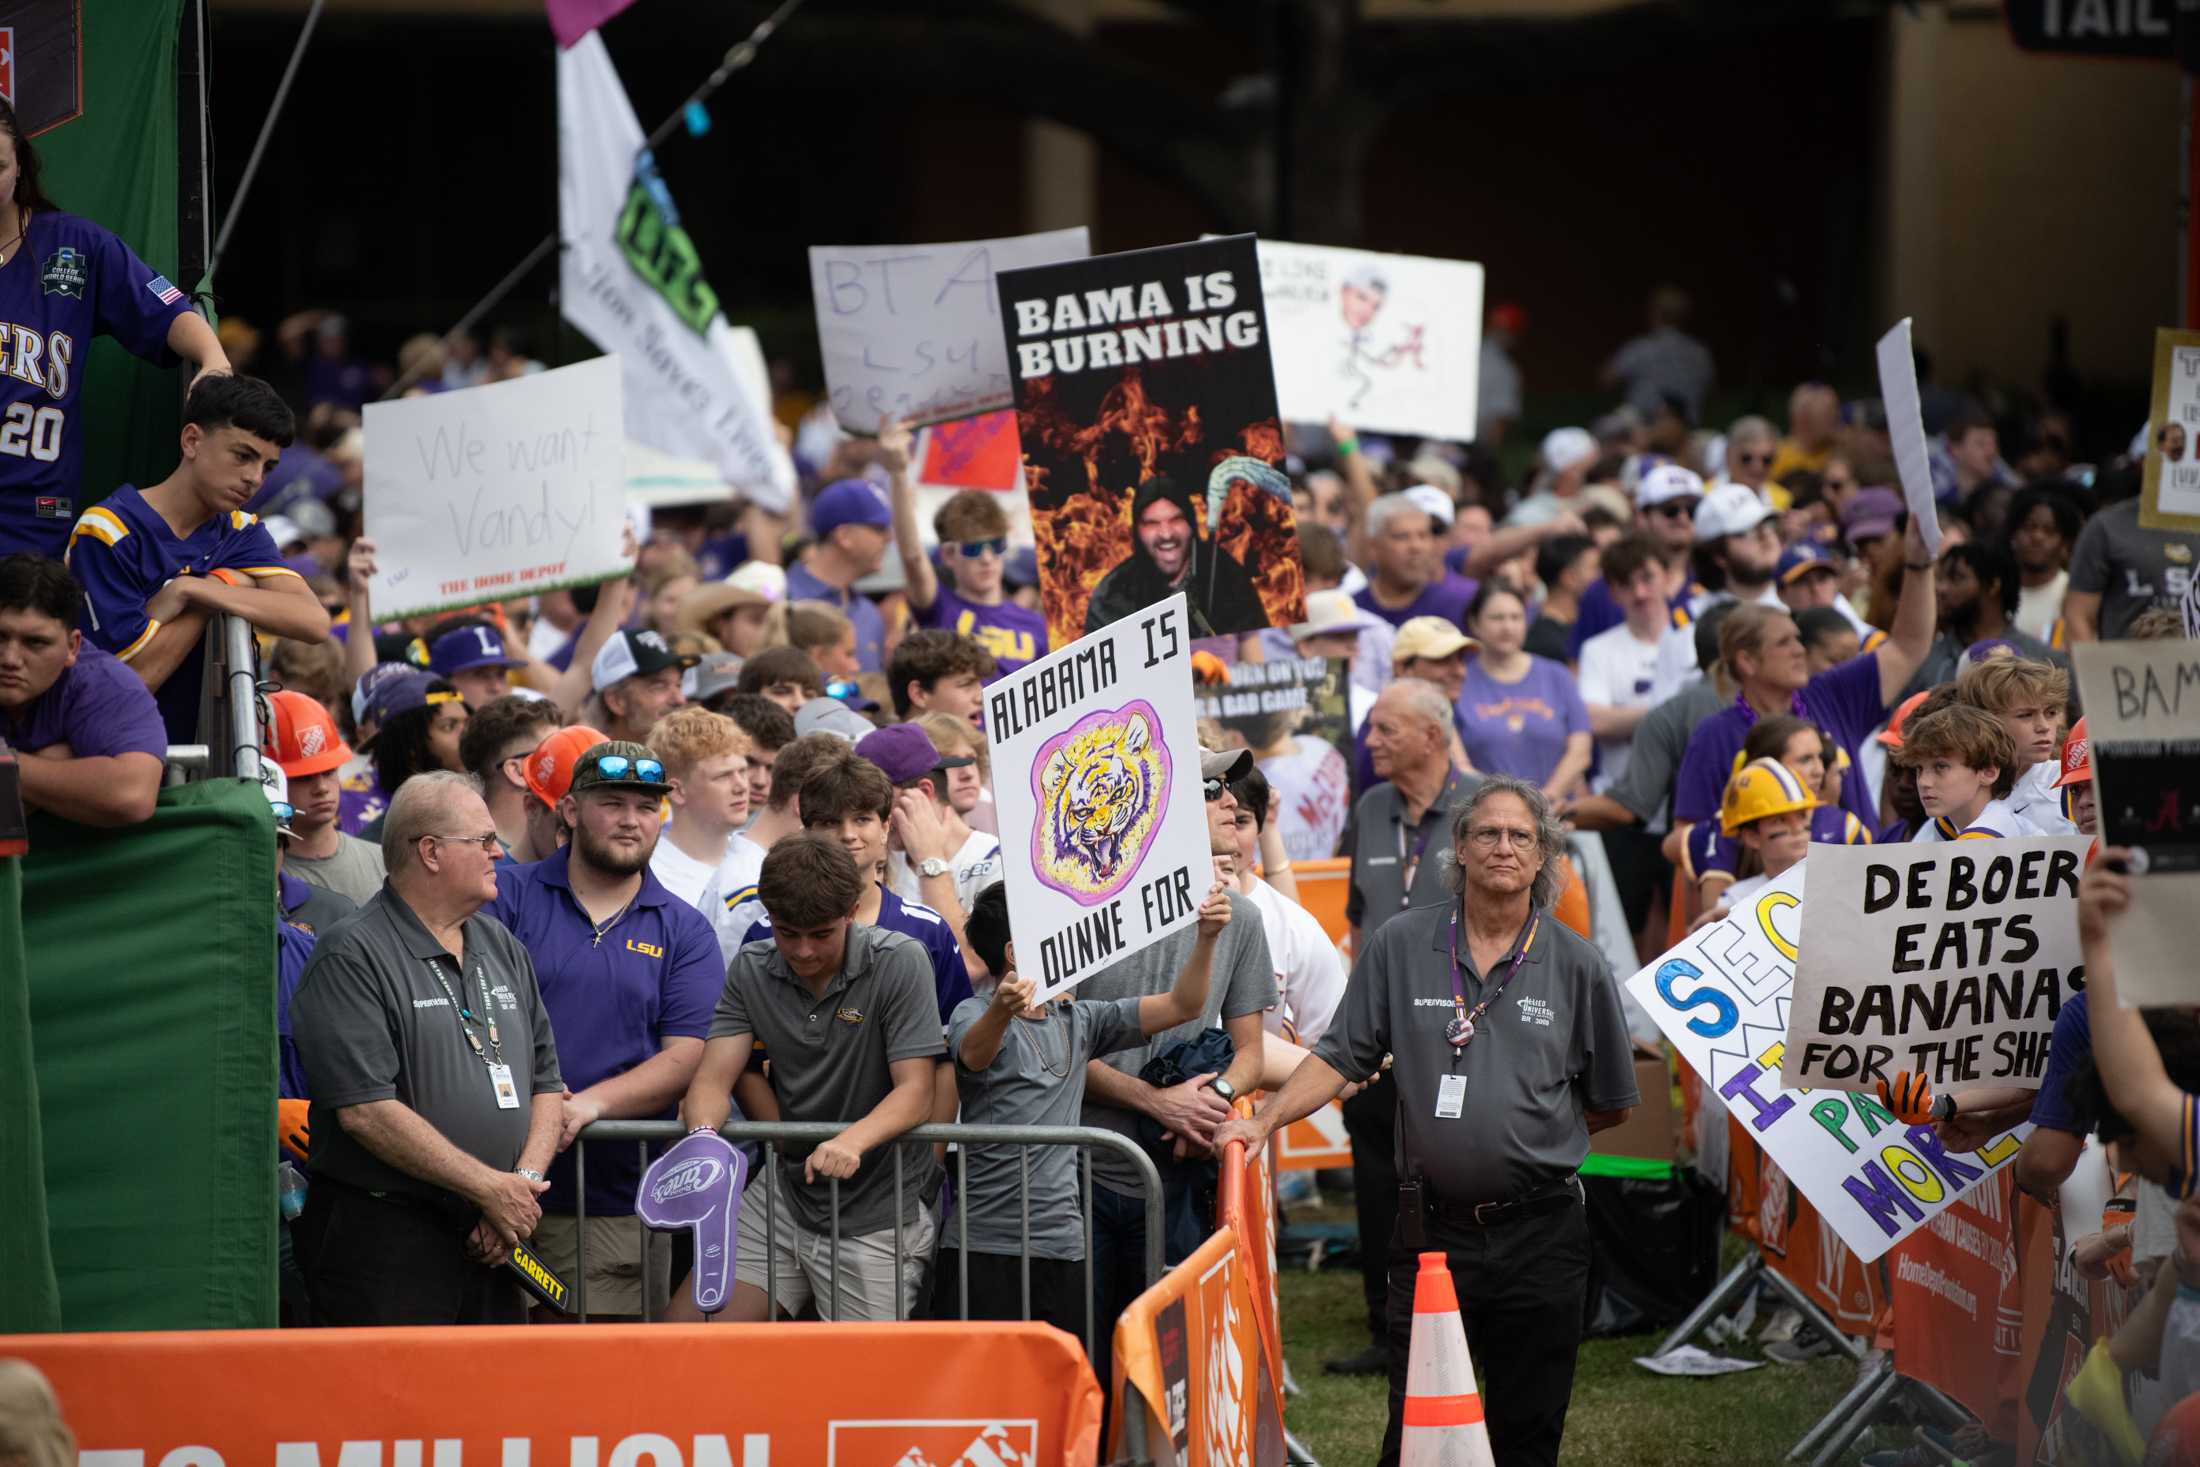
(1169, 556)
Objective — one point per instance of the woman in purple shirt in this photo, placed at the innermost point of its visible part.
(1520, 714)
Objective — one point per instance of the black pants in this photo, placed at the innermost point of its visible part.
(1522, 1284)
(1639, 870)
(1371, 1120)
(372, 1260)
(997, 1289)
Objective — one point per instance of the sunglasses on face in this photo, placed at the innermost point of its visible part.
(1212, 789)
(1753, 458)
(978, 549)
(640, 771)
(1675, 509)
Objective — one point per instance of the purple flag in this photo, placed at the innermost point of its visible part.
(572, 19)
(697, 1186)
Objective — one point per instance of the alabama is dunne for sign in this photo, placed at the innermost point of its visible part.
(1096, 770)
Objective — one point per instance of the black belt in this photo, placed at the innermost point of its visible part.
(1488, 1214)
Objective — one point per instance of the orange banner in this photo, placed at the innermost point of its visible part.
(1958, 1305)
(1315, 1143)
(781, 1395)
(1246, 1202)
(1191, 1347)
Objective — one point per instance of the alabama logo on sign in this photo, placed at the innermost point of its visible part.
(973, 1442)
(42, 62)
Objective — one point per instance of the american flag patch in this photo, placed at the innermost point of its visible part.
(162, 291)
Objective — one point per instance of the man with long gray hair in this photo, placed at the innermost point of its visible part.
(1508, 1050)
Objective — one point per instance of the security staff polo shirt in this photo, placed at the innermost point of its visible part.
(373, 1020)
(829, 1062)
(1384, 850)
(1553, 1046)
(652, 975)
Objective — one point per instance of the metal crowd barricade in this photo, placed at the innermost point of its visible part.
(229, 711)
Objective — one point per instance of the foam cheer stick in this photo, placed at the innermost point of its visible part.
(696, 1187)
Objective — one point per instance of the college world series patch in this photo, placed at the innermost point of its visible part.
(65, 273)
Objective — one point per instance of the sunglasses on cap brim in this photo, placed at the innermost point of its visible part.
(619, 767)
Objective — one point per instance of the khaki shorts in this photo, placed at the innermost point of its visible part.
(615, 1274)
(802, 1261)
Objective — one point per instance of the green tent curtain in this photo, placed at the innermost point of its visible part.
(30, 1299)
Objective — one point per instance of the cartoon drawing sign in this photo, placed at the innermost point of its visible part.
(2169, 493)
(1095, 755)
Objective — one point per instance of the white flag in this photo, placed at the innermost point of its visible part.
(630, 278)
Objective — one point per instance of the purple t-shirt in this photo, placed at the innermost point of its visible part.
(1845, 701)
(98, 707)
(1011, 633)
(2066, 1051)
(1520, 728)
(1446, 598)
(359, 802)
(857, 607)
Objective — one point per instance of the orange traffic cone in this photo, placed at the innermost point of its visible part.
(1443, 1412)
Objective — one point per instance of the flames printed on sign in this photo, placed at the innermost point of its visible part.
(1101, 786)
(1081, 523)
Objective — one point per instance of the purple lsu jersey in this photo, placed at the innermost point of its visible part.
(71, 281)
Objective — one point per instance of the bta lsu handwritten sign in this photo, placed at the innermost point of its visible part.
(495, 492)
(1096, 765)
(1948, 960)
(1722, 998)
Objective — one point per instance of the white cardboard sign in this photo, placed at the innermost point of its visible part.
(1906, 430)
(914, 331)
(1722, 998)
(1104, 839)
(1389, 343)
(494, 492)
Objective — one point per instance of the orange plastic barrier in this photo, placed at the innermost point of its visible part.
(782, 1395)
(1793, 1238)
(1245, 1202)
(1192, 1348)
(1322, 889)
(1314, 1143)
(1958, 1305)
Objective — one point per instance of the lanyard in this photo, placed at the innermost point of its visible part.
(1461, 1032)
(495, 1053)
(1442, 802)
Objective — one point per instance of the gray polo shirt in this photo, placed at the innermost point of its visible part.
(373, 1023)
(829, 1061)
(1243, 982)
(1660, 743)
(1383, 849)
(1553, 1046)
(1038, 1079)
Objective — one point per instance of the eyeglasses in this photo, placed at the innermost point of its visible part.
(1675, 509)
(1487, 838)
(619, 766)
(1213, 789)
(1753, 458)
(488, 843)
(976, 549)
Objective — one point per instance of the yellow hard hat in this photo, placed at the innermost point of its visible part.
(1763, 787)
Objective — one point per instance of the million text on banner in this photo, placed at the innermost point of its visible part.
(1950, 961)
(1153, 452)
(1096, 768)
(1389, 343)
(914, 331)
(1722, 998)
(630, 277)
(498, 491)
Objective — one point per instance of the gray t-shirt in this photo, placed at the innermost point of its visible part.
(373, 1022)
(2129, 567)
(354, 871)
(1944, 659)
(1038, 1079)
(1385, 853)
(1553, 1046)
(1244, 982)
(830, 1056)
(1661, 742)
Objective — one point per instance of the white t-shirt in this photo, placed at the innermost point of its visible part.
(2036, 800)
(976, 866)
(1617, 670)
(744, 864)
(1998, 820)
(2040, 607)
(1677, 651)
(700, 884)
(1313, 788)
(1309, 971)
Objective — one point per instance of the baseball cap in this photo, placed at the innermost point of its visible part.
(1022, 566)
(1225, 764)
(406, 689)
(462, 649)
(1798, 561)
(2077, 757)
(634, 654)
(1729, 509)
(1327, 612)
(617, 764)
(717, 673)
(1430, 637)
(362, 692)
(1438, 504)
(830, 715)
(1667, 482)
(1567, 448)
(281, 530)
(1891, 735)
(549, 771)
(849, 502)
(906, 753)
(276, 787)
(1870, 514)
(302, 738)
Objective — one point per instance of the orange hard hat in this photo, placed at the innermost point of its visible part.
(550, 767)
(302, 737)
(1891, 735)
(2077, 757)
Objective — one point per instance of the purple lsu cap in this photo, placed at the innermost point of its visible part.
(849, 502)
(906, 753)
(464, 648)
(1798, 561)
(1870, 514)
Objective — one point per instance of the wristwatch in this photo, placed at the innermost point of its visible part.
(1223, 1088)
(932, 866)
(528, 1172)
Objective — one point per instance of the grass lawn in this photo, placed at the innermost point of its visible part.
(1622, 1416)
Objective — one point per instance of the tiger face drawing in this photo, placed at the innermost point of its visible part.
(1100, 786)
